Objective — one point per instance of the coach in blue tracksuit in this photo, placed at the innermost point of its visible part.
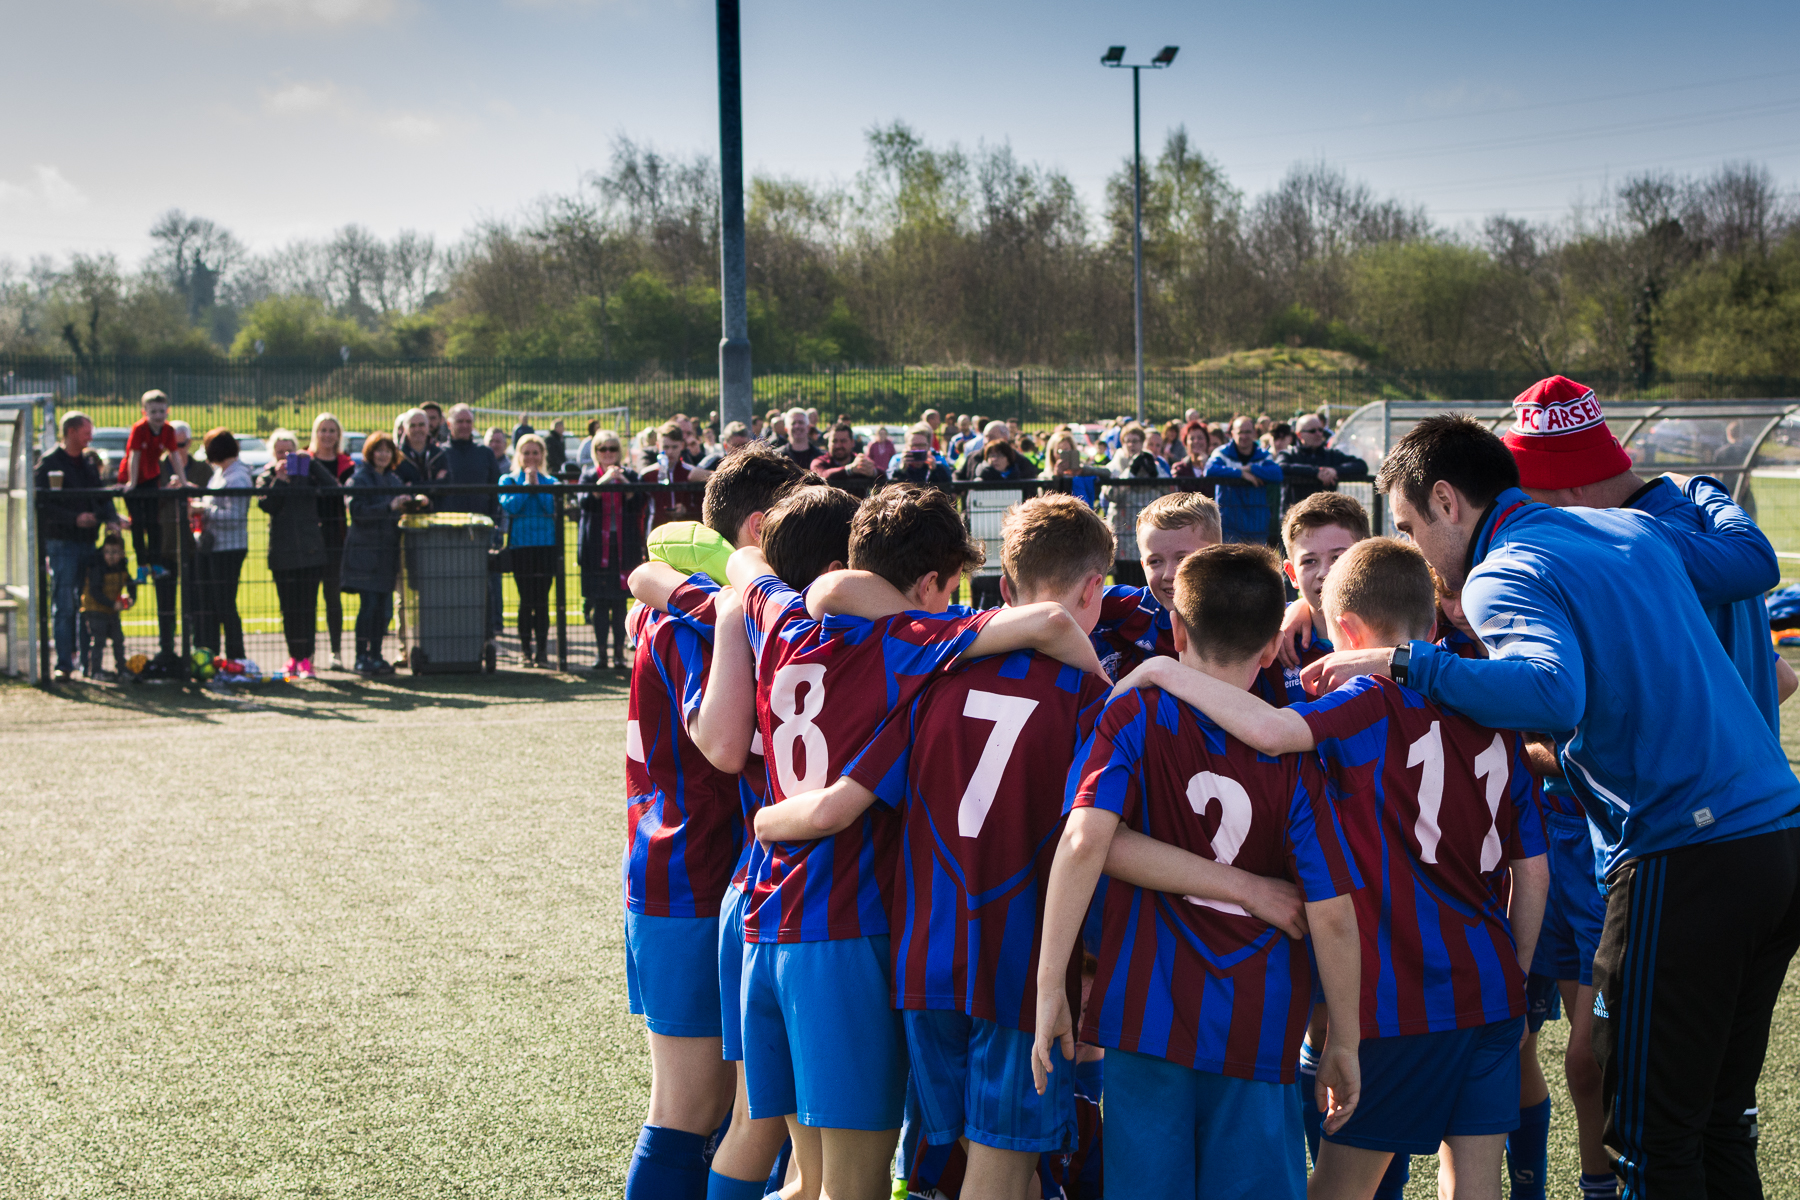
(1667, 751)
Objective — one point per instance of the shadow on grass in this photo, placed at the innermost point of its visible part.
(345, 698)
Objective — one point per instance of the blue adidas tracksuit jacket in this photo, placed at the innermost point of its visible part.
(1597, 626)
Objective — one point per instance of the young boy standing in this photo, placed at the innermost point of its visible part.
(107, 590)
(140, 470)
(1316, 532)
(1134, 621)
(816, 976)
(1438, 811)
(1200, 1004)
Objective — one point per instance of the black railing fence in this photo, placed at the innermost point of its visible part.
(259, 395)
(465, 595)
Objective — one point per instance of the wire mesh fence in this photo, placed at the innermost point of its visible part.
(463, 595)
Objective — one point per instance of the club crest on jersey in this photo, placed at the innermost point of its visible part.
(1539, 419)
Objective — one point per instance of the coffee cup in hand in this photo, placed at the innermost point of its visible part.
(56, 480)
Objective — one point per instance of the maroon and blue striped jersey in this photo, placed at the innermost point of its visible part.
(823, 689)
(975, 767)
(1279, 685)
(1201, 982)
(693, 601)
(1133, 626)
(1436, 807)
(682, 828)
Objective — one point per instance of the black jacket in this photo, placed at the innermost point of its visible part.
(1300, 471)
(627, 549)
(57, 514)
(415, 469)
(372, 549)
(469, 461)
(296, 539)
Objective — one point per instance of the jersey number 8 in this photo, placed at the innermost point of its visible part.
(796, 731)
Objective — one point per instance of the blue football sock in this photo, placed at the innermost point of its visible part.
(1305, 1084)
(1528, 1152)
(667, 1165)
(1603, 1186)
(1393, 1183)
(724, 1187)
(778, 1175)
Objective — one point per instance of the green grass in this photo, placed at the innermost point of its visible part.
(361, 940)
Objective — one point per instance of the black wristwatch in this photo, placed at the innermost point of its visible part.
(1399, 660)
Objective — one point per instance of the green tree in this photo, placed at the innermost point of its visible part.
(299, 327)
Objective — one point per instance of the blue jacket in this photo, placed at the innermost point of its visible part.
(1743, 627)
(533, 513)
(1243, 510)
(1597, 626)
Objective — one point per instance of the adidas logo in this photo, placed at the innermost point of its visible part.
(1600, 1006)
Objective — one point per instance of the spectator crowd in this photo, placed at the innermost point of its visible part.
(334, 500)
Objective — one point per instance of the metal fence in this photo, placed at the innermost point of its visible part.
(257, 396)
(461, 593)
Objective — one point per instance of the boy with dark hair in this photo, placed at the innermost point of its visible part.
(671, 468)
(1200, 1003)
(1441, 1017)
(816, 970)
(693, 786)
(1134, 621)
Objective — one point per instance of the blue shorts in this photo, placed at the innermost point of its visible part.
(672, 973)
(1543, 1000)
(731, 973)
(1576, 909)
(821, 1037)
(1421, 1088)
(1174, 1132)
(973, 1079)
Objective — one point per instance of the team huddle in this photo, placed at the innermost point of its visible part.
(893, 863)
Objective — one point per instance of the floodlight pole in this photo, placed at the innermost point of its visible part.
(1137, 238)
(735, 395)
(1115, 57)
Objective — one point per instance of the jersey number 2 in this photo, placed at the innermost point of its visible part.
(1490, 764)
(1203, 791)
(1009, 714)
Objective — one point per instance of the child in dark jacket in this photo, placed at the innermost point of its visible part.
(107, 590)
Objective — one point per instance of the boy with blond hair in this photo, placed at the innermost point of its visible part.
(1134, 621)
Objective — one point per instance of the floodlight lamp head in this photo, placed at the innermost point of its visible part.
(1165, 56)
(1114, 56)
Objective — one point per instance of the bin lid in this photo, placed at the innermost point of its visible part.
(445, 520)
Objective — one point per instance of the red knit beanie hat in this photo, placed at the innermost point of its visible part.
(1559, 437)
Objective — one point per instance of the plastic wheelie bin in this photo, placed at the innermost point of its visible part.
(444, 616)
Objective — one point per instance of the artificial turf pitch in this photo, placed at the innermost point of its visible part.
(355, 939)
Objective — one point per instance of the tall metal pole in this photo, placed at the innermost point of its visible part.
(735, 398)
(1137, 239)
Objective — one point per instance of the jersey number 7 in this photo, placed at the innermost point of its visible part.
(1009, 714)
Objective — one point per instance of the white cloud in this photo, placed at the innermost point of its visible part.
(299, 100)
(299, 12)
(304, 98)
(47, 190)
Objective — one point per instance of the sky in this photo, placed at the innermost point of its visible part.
(290, 118)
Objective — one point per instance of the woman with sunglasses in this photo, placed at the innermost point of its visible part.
(611, 543)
